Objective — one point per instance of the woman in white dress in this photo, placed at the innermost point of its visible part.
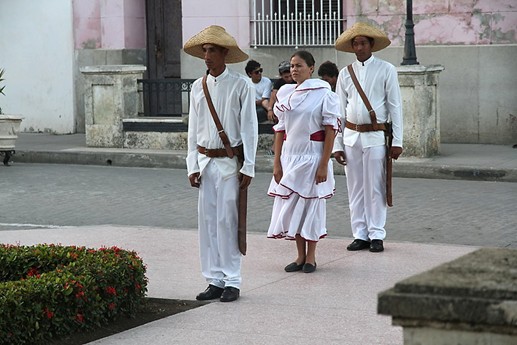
(303, 177)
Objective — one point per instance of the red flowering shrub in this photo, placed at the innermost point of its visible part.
(48, 290)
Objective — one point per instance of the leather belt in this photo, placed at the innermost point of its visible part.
(367, 127)
(219, 153)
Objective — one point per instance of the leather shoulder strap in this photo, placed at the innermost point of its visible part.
(218, 125)
(373, 116)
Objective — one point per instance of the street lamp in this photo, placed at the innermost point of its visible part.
(409, 44)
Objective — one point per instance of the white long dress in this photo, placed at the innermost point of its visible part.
(300, 203)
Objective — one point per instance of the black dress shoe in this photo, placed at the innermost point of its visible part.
(376, 246)
(230, 294)
(293, 267)
(211, 292)
(358, 244)
(309, 268)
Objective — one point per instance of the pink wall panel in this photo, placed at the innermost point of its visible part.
(87, 25)
(109, 24)
(134, 33)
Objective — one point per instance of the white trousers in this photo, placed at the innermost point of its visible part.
(366, 183)
(217, 222)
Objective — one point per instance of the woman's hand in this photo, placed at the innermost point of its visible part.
(321, 173)
(278, 172)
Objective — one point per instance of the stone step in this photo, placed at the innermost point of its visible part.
(166, 133)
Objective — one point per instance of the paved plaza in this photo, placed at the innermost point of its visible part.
(445, 207)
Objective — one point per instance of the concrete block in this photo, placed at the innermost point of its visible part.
(472, 297)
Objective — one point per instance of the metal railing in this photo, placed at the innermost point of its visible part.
(165, 97)
(296, 22)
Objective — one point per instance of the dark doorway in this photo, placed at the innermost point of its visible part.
(164, 44)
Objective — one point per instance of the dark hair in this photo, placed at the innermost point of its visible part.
(251, 66)
(305, 56)
(328, 68)
(370, 39)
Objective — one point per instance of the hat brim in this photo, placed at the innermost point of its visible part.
(216, 35)
(344, 41)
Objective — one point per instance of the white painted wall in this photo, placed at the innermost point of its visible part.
(37, 53)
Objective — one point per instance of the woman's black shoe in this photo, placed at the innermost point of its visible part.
(309, 268)
(293, 267)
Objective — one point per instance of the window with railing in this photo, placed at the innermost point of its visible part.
(295, 22)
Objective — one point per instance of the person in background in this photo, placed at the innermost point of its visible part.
(329, 72)
(262, 87)
(284, 72)
(362, 144)
(209, 167)
(303, 175)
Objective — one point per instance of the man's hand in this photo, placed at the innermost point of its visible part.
(245, 181)
(339, 156)
(195, 180)
(395, 152)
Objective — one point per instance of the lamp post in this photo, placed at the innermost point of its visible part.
(409, 43)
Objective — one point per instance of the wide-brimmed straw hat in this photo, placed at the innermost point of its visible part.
(217, 35)
(344, 41)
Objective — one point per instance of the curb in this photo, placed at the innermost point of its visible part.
(264, 163)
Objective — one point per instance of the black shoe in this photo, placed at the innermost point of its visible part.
(211, 292)
(293, 267)
(358, 244)
(230, 294)
(376, 246)
(309, 268)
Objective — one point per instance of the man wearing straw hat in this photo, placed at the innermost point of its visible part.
(215, 155)
(361, 146)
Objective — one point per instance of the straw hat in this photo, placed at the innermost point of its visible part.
(344, 41)
(217, 35)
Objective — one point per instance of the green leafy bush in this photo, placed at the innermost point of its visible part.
(49, 290)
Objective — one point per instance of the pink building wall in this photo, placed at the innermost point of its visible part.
(234, 15)
(119, 24)
(441, 22)
(109, 24)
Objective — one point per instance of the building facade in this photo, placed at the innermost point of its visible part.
(44, 44)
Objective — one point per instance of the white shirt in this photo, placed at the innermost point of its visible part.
(233, 96)
(263, 89)
(379, 81)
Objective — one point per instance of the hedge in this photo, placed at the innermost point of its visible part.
(47, 291)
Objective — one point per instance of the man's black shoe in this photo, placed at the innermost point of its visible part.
(211, 292)
(358, 244)
(376, 246)
(230, 294)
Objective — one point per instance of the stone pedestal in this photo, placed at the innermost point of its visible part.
(421, 109)
(111, 95)
(9, 128)
(471, 300)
